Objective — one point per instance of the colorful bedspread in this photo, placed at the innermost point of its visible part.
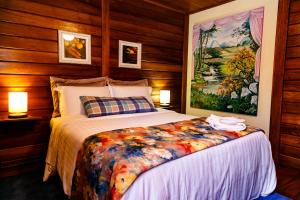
(109, 162)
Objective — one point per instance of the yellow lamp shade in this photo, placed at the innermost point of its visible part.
(164, 97)
(17, 104)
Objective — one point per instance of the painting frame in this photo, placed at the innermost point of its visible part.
(64, 57)
(127, 62)
(262, 119)
(226, 62)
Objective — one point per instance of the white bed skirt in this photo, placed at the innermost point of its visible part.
(239, 170)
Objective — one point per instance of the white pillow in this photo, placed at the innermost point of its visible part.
(131, 91)
(69, 101)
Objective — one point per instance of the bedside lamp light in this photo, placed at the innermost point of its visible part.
(17, 104)
(164, 97)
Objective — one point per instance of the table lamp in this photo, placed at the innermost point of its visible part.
(164, 97)
(17, 104)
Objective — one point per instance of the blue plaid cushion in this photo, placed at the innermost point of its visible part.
(102, 106)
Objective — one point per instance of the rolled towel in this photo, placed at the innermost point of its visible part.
(226, 123)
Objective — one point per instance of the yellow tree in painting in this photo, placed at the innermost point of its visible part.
(241, 65)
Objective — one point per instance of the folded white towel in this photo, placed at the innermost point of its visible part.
(226, 123)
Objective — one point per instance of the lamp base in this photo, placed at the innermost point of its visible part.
(17, 115)
(164, 105)
(167, 107)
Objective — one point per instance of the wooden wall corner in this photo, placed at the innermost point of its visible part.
(184, 65)
(105, 37)
(278, 75)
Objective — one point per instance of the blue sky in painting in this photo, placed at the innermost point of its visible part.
(223, 35)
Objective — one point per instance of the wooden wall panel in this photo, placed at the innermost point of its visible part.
(28, 57)
(161, 33)
(72, 5)
(46, 22)
(51, 11)
(289, 141)
(148, 11)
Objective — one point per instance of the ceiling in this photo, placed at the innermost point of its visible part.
(182, 6)
(187, 6)
(93, 2)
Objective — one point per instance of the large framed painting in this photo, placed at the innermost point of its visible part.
(74, 47)
(130, 54)
(226, 59)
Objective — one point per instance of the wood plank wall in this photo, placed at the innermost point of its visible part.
(28, 56)
(289, 153)
(160, 31)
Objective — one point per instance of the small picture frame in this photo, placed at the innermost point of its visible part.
(130, 54)
(74, 47)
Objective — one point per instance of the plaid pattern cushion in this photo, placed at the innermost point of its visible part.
(102, 106)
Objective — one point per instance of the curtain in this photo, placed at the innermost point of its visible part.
(256, 28)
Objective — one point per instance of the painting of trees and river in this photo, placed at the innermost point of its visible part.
(226, 63)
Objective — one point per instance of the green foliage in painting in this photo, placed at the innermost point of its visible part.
(214, 53)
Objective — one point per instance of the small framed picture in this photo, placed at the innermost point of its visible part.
(74, 47)
(130, 54)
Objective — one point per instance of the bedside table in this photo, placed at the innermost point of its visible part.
(23, 142)
(14, 120)
(170, 107)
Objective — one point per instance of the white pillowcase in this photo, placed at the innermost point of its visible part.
(69, 101)
(131, 91)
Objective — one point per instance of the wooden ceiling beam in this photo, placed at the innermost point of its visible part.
(187, 6)
(165, 6)
(209, 6)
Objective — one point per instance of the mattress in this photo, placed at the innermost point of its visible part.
(236, 169)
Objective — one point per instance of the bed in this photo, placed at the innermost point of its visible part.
(239, 169)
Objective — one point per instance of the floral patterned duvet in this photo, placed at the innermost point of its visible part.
(109, 162)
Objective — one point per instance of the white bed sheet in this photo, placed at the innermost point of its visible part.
(240, 169)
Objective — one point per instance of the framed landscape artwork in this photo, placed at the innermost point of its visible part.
(130, 54)
(74, 47)
(226, 55)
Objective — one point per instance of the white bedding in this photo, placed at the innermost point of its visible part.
(240, 169)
